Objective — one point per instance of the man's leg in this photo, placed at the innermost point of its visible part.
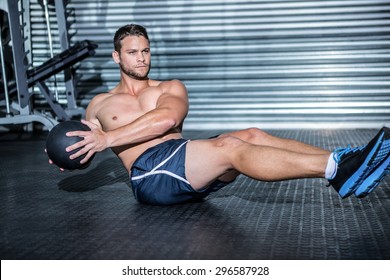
(264, 157)
(259, 137)
(208, 160)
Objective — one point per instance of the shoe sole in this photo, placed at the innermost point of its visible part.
(352, 183)
(374, 179)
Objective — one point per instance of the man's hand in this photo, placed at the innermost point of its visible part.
(51, 162)
(94, 141)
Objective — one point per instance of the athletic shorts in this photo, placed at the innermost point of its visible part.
(158, 176)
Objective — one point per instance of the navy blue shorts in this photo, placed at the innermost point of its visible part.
(158, 176)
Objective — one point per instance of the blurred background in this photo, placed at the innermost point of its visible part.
(273, 64)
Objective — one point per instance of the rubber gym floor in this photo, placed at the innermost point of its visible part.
(92, 214)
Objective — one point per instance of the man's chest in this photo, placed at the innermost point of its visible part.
(121, 110)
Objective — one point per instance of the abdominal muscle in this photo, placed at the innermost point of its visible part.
(129, 153)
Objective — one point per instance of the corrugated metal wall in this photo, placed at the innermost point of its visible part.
(269, 64)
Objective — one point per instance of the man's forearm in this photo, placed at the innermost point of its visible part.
(147, 127)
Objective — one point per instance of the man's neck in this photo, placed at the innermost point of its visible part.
(131, 85)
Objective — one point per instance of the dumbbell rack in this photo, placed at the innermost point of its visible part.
(26, 78)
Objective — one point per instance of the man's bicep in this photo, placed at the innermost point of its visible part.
(174, 95)
(174, 104)
(175, 100)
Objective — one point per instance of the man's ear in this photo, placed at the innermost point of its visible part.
(115, 56)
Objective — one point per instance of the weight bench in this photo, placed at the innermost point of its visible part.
(60, 62)
(26, 78)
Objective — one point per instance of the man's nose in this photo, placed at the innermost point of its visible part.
(141, 57)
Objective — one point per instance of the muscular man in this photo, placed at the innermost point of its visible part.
(141, 121)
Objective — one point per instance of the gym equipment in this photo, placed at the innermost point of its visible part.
(25, 77)
(57, 141)
(4, 41)
(47, 17)
(58, 63)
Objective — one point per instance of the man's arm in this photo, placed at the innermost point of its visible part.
(171, 109)
(170, 112)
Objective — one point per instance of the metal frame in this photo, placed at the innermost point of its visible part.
(26, 78)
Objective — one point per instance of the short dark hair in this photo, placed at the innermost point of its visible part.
(128, 30)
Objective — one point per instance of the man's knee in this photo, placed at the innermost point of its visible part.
(254, 135)
(231, 141)
(228, 142)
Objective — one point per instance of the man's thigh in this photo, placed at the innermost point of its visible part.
(206, 161)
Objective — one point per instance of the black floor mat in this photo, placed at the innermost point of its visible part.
(92, 214)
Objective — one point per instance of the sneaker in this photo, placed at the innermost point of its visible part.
(379, 168)
(353, 165)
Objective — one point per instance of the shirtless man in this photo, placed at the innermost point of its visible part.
(141, 121)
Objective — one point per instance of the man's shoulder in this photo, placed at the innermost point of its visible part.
(101, 96)
(173, 87)
(166, 83)
(98, 99)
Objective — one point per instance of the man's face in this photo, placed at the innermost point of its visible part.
(134, 57)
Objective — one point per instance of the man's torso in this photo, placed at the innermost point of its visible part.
(116, 109)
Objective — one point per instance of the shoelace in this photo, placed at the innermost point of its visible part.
(339, 152)
(382, 154)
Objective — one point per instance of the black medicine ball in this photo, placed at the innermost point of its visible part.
(57, 141)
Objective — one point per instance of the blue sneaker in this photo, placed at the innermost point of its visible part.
(379, 168)
(353, 165)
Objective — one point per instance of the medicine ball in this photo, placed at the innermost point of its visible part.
(57, 141)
